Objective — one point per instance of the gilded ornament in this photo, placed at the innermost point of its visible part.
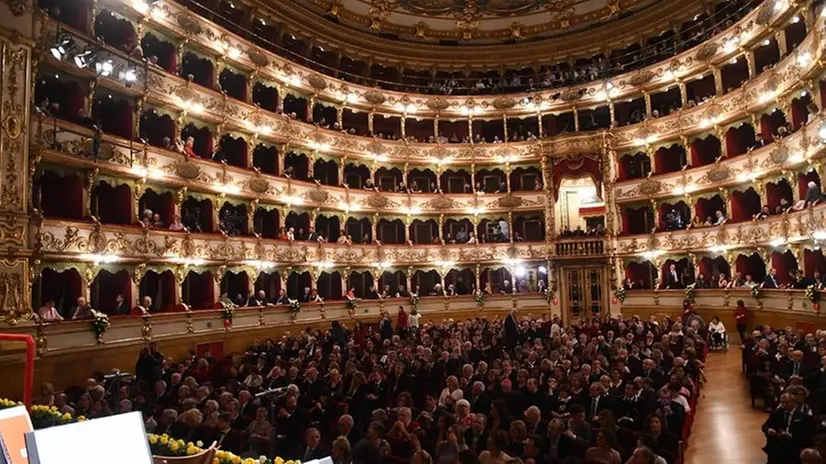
(437, 104)
(650, 187)
(377, 201)
(504, 103)
(106, 151)
(641, 78)
(765, 15)
(318, 195)
(189, 24)
(779, 155)
(707, 51)
(317, 82)
(571, 96)
(510, 201)
(18, 7)
(258, 57)
(374, 97)
(187, 170)
(441, 203)
(718, 173)
(259, 185)
(11, 300)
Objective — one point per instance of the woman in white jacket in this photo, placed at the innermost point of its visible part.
(717, 331)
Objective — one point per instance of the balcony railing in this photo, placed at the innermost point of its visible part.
(585, 247)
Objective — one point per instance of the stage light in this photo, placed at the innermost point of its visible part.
(63, 46)
(85, 58)
(543, 270)
(104, 68)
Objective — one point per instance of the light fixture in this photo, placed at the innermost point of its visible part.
(766, 42)
(795, 19)
(777, 242)
(86, 57)
(804, 59)
(819, 235)
(233, 53)
(543, 270)
(520, 271)
(100, 258)
(62, 46)
(651, 254)
(130, 76)
(821, 132)
(323, 264)
(103, 68)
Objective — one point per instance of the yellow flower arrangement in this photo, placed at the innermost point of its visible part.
(162, 445)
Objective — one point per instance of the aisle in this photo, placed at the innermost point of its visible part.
(726, 427)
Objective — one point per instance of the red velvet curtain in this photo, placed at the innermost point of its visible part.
(800, 112)
(734, 142)
(577, 167)
(744, 205)
(813, 260)
(167, 292)
(61, 196)
(783, 262)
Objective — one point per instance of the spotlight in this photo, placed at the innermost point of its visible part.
(104, 68)
(86, 57)
(543, 270)
(62, 46)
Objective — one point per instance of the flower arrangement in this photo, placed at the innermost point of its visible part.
(49, 416)
(164, 445)
(690, 292)
(227, 312)
(549, 295)
(100, 325)
(479, 296)
(352, 303)
(756, 292)
(813, 293)
(295, 306)
(620, 293)
(414, 300)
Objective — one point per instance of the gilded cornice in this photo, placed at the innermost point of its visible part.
(559, 39)
(59, 240)
(215, 41)
(173, 171)
(774, 231)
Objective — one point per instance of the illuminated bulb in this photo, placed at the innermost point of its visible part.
(766, 42)
(796, 19)
(130, 76)
(140, 6)
(821, 132)
(158, 13)
(381, 158)
(777, 242)
(804, 59)
(819, 235)
(233, 53)
(668, 74)
(679, 190)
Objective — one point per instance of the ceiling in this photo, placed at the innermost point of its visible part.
(469, 21)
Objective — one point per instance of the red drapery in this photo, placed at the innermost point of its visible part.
(577, 167)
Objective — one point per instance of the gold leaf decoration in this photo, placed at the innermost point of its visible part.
(437, 104)
(317, 82)
(571, 96)
(189, 24)
(318, 195)
(259, 185)
(780, 155)
(707, 51)
(377, 201)
(510, 201)
(375, 97)
(719, 173)
(765, 15)
(641, 78)
(650, 187)
(258, 57)
(504, 103)
(187, 170)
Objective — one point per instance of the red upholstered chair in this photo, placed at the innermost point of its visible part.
(137, 311)
(180, 308)
(218, 305)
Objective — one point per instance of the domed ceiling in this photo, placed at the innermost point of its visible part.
(480, 21)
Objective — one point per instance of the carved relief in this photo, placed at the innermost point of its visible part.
(641, 78)
(650, 187)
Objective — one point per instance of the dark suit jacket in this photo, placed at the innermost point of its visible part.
(786, 449)
(481, 442)
(813, 194)
(673, 281)
(122, 310)
(300, 453)
(233, 441)
(768, 282)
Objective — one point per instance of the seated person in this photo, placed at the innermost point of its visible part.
(720, 218)
(48, 313)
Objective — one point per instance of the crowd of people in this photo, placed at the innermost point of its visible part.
(517, 390)
(787, 368)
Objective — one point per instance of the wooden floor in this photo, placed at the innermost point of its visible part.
(726, 427)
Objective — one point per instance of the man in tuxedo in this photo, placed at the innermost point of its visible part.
(345, 427)
(672, 280)
(559, 442)
(771, 280)
(121, 308)
(797, 367)
(533, 421)
(228, 439)
(313, 236)
(476, 436)
(257, 299)
(600, 400)
(787, 431)
(311, 448)
(479, 400)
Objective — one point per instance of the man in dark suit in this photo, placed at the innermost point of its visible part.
(511, 330)
(672, 279)
(813, 194)
(771, 280)
(121, 307)
(787, 431)
(559, 445)
(386, 327)
(228, 439)
(599, 401)
(797, 367)
(479, 400)
(311, 449)
(313, 236)
(476, 436)
(257, 299)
